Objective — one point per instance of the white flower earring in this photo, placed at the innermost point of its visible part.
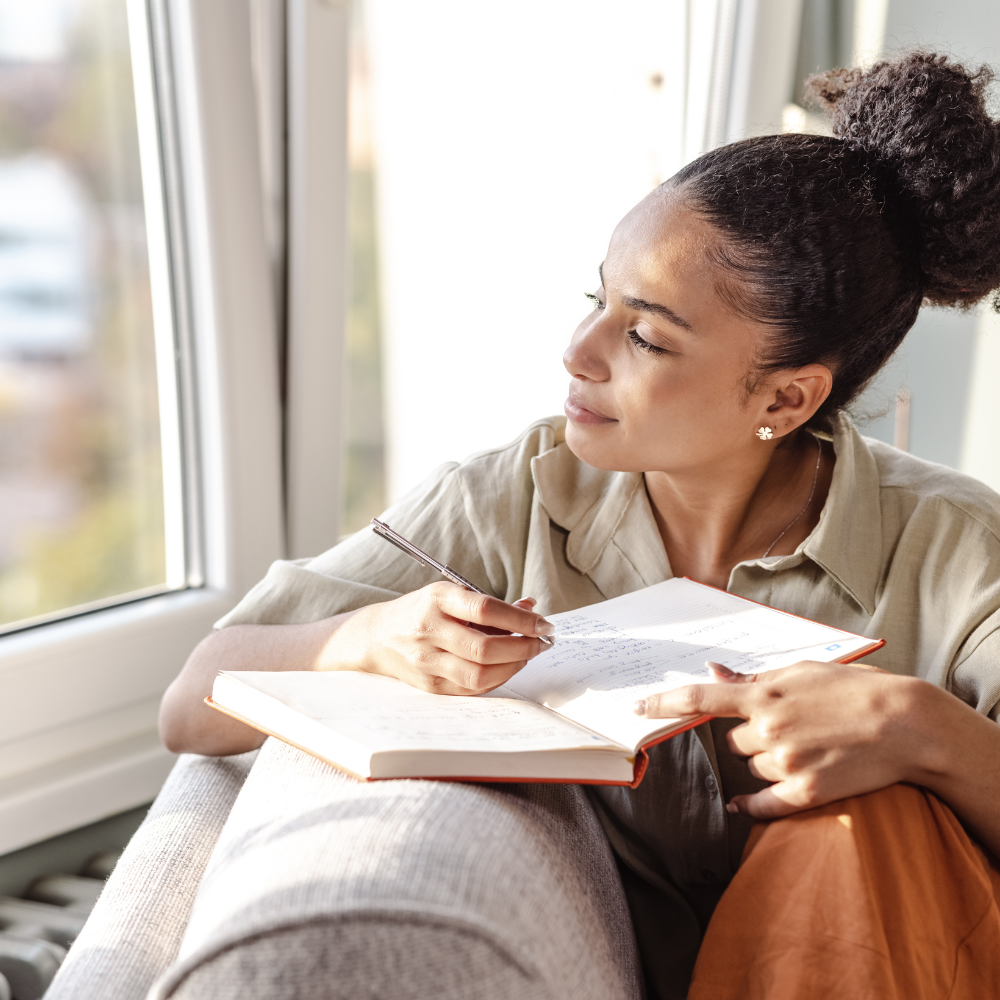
(764, 433)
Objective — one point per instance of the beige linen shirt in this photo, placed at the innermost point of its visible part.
(904, 550)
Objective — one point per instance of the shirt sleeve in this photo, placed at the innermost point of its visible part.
(365, 569)
(473, 516)
(976, 677)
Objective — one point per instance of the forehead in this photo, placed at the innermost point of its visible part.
(662, 240)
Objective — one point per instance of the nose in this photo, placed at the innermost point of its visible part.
(583, 358)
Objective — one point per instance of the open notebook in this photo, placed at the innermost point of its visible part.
(567, 716)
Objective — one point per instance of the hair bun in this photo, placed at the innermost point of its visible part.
(921, 121)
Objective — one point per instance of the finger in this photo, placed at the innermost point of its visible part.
(526, 602)
(481, 609)
(741, 741)
(765, 767)
(747, 739)
(868, 666)
(455, 676)
(726, 700)
(773, 802)
(722, 673)
(468, 643)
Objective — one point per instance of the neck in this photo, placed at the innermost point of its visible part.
(710, 520)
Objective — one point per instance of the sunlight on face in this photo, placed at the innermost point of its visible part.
(659, 367)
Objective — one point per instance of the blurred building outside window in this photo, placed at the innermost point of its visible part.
(81, 478)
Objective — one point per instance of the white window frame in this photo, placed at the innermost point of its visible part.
(79, 697)
(316, 228)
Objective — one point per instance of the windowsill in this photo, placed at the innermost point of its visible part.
(78, 738)
(82, 610)
(61, 796)
(82, 627)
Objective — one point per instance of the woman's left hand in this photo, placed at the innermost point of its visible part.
(819, 731)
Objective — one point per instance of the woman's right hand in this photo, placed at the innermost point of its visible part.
(432, 639)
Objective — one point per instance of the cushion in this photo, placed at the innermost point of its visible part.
(135, 929)
(323, 886)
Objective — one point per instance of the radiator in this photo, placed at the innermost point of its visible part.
(37, 928)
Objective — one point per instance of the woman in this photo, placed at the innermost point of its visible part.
(742, 307)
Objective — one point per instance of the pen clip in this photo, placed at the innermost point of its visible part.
(384, 531)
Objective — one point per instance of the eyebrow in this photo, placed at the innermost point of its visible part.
(641, 305)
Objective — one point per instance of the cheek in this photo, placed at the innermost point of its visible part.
(690, 406)
(674, 412)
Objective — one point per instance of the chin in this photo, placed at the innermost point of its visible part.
(599, 447)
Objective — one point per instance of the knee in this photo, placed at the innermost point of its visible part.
(883, 822)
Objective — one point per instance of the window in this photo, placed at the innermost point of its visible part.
(84, 493)
(140, 422)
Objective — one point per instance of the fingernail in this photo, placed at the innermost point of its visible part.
(542, 627)
(720, 668)
(640, 707)
(732, 807)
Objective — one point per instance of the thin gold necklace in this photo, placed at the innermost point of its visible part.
(812, 493)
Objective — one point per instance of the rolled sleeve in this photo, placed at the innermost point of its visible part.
(976, 677)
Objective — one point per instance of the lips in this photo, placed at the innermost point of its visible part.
(582, 414)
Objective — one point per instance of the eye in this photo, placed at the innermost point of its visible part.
(645, 345)
(598, 304)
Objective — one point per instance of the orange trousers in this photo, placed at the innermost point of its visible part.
(878, 897)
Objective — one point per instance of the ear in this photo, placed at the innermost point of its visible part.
(793, 397)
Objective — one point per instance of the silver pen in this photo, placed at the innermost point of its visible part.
(384, 531)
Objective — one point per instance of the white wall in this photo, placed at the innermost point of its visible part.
(949, 362)
(510, 139)
(763, 66)
(980, 453)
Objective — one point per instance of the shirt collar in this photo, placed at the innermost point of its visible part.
(596, 506)
(847, 541)
(589, 503)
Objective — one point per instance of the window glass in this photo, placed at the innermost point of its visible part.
(81, 479)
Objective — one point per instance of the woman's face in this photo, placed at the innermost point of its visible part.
(660, 366)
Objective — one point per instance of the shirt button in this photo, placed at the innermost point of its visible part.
(708, 875)
(710, 784)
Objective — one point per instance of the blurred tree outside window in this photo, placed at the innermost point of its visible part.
(81, 502)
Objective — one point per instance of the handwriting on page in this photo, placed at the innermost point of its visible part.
(628, 655)
(601, 665)
(590, 653)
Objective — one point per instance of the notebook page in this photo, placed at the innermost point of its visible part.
(382, 714)
(608, 655)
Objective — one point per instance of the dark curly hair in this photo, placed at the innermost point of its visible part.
(835, 241)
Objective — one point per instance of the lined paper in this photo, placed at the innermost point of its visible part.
(385, 714)
(609, 655)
